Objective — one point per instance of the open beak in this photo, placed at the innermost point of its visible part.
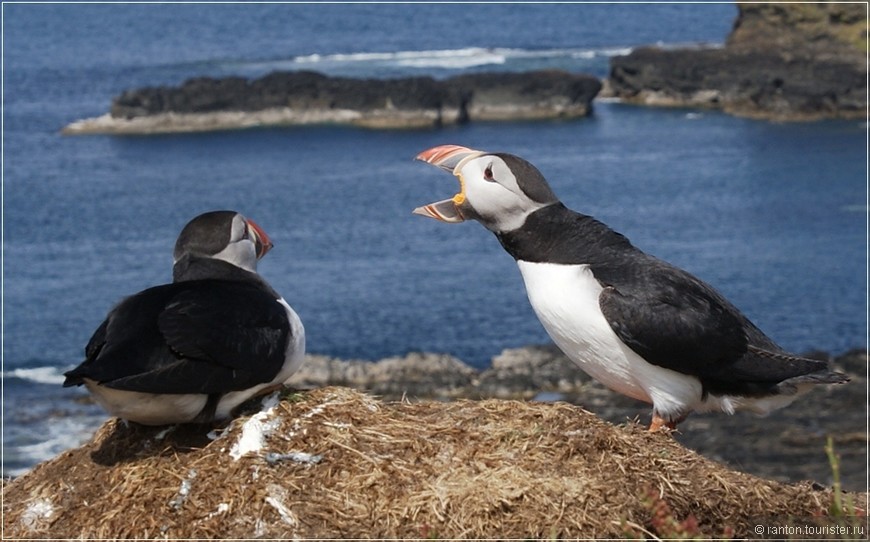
(261, 241)
(449, 158)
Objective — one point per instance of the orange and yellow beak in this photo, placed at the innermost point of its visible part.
(449, 158)
(261, 241)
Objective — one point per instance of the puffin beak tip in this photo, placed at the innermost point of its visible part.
(450, 158)
(445, 211)
(446, 157)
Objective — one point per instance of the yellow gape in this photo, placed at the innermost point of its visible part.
(459, 198)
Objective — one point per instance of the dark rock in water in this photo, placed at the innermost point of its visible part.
(753, 84)
(822, 30)
(307, 97)
(781, 62)
(297, 90)
(535, 95)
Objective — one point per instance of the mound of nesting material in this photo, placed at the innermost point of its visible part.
(337, 463)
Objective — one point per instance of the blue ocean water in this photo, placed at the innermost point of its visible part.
(773, 215)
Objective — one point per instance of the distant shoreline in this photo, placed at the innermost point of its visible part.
(779, 63)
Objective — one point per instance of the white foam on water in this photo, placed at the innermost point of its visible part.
(462, 58)
(63, 433)
(398, 56)
(604, 52)
(40, 375)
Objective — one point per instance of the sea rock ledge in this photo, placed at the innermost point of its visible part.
(781, 62)
(305, 97)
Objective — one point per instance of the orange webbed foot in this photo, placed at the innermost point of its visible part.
(658, 424)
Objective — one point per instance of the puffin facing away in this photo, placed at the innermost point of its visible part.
(638, 325)
(193, 350)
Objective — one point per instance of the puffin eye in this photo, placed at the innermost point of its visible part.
(244, 234)
(487, 173)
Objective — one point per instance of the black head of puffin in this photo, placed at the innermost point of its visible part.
(497, 189)
(224, 235)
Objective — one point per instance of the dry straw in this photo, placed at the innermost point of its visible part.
(336, 463)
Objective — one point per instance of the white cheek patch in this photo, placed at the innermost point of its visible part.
(240, 227)
(241, 254)
(497, 205)
(501, 203)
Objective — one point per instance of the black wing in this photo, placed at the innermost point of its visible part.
(205, 336)
(676, 321)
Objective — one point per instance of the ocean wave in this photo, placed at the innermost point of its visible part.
(605, 52)
(40, 375)
(56, 434)
(459, 59)
(450, 58)
(445, 58)
(439, 56)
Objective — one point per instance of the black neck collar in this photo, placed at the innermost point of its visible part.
(556, 234)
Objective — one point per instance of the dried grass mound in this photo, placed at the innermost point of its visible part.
(336, 463)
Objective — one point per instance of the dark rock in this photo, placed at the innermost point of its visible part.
(416, 374)
(280, 89)
(531, 370)
(821, 30)
(755, 84)
(307, 97)
(782, 62)
(508, 96)
(202, 94)
(852, 362)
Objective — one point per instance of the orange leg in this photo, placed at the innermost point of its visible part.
(658, 422)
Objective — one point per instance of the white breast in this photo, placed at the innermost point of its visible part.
(294, 355)
(565, 299)
(147, 408)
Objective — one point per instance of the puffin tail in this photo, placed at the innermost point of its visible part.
(798, 383)
(797, 374)
(72, 379)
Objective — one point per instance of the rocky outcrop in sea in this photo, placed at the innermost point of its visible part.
(304, 97)
(780, 62)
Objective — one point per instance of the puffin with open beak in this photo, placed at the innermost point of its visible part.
(640, 326)
(193, 350)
